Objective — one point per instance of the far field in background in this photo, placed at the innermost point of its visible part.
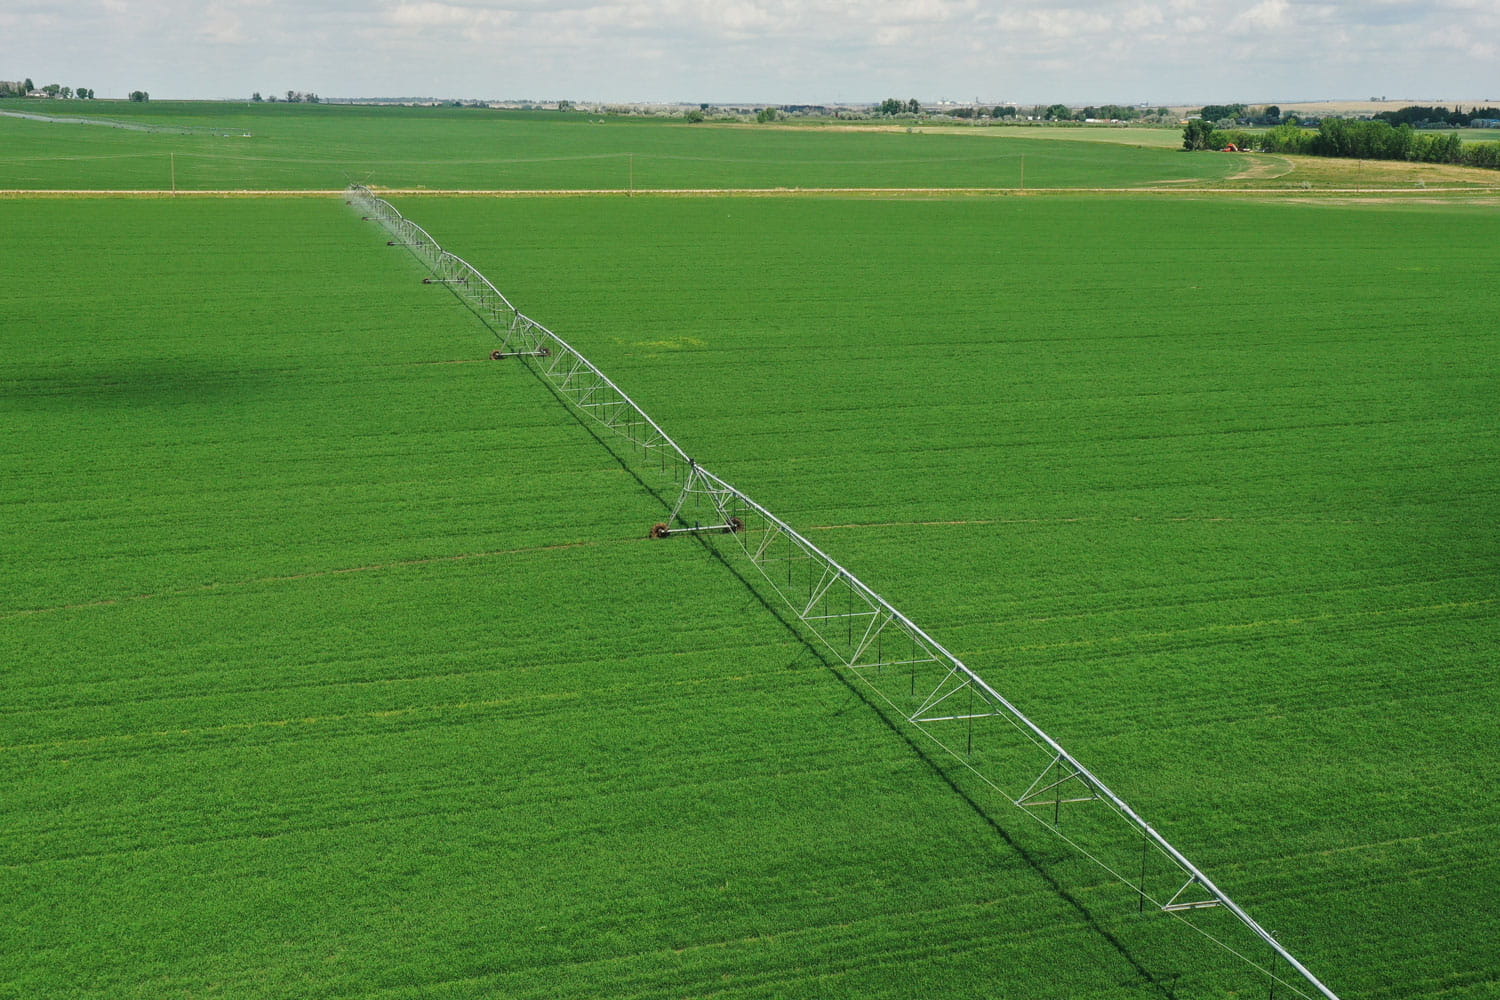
(326, 146)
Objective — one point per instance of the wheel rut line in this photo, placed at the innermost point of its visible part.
(1235, 627)
(209, 588)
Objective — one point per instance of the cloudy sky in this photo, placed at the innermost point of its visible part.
(781, 51)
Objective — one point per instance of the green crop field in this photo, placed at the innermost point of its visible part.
(338, 663)
(326, 146)
(1213, 513)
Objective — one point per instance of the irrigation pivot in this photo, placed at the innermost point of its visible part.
(999, 750)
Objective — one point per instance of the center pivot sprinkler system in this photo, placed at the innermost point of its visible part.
(1000, 752)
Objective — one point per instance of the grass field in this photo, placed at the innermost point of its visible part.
(338, 667)
(338, 664)
(326, 146)
(1182, 525)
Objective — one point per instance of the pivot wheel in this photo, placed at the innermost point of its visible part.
(660, 531)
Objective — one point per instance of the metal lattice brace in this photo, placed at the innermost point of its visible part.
(1177, 904)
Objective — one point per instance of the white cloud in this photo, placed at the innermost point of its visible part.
(1271, 15)
(764, 50)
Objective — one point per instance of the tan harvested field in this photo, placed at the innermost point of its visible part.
(1372, 107)
(1126, 135)
(1283, 170)
(1343, 107)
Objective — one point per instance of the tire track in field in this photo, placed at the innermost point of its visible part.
(351, 684)
(310, 575)
(957, 929)
(985, 521)
(661, 694)
(288, 723)
(1232, 628)
(1113, 605)
(417, 800)
(1385, 195)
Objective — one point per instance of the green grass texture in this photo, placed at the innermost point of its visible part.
(1213, 511)
(337, 663)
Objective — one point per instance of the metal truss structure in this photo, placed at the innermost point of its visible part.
(1001, 753)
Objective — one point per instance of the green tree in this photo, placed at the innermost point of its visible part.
(256, 97)
(913, 107)
(1058, 113)
(1198, 134)
(1286, 138)
(1482, 154)
(139, 96)
(1219, 112)
(765, 115)
(29, 86)
(693, 115)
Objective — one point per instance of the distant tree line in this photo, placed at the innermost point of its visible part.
(292, 97)
(1418, 115)
(22, 88)
(896, 106)
(1063, 113)
(1050, 113)
(1227, 115)
(1352, 139)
